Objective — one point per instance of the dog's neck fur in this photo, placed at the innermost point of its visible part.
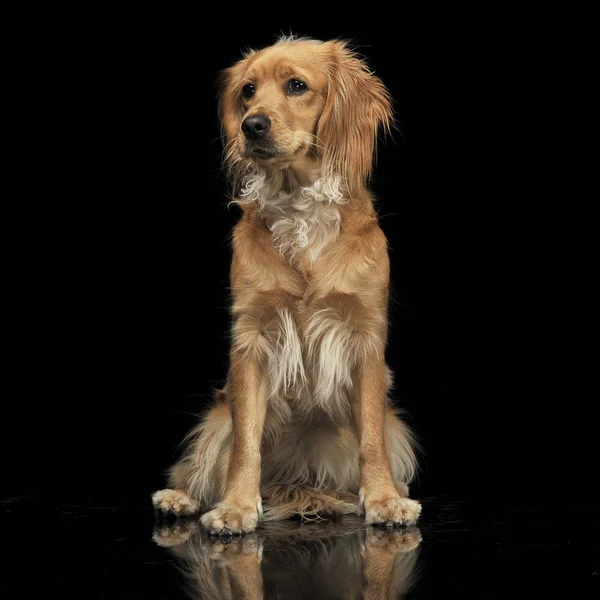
(299, 206)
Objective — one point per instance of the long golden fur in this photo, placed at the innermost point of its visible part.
(304, 424)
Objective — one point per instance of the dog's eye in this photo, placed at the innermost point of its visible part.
(295, 86)
(248, 90)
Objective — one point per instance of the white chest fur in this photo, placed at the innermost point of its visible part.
(303, 219)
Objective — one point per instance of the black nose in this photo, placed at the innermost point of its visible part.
(256, 127)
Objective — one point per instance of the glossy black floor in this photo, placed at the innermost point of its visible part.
(462, 548)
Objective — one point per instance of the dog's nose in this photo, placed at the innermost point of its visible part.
(256, 127)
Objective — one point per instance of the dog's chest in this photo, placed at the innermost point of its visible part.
(314, 348)
(303, 220)
(302, 234)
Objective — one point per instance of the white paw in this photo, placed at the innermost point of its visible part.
(229, 518)
(175, 502)
(391, 511)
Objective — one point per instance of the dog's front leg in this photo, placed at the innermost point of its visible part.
(239, 510)
(383, 504)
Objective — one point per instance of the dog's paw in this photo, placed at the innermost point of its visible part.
(228, 551)
(391, 542)
(231, 518)
(174, 502)
(390, 510)
(176, 533)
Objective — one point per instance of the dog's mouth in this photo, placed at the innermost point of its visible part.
(272, 155)
(261, 151)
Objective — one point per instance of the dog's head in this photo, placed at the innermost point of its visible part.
(304, 98)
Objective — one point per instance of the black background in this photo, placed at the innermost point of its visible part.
(120, 268)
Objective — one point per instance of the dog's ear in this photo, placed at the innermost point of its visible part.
(230, 106)
(357, 105)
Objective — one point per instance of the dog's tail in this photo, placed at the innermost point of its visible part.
(285, 501)
(202, 469)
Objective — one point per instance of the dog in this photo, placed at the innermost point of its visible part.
(304, 425)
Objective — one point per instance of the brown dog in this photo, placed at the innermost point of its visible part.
(304, 423)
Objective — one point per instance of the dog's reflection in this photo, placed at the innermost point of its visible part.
(291, 560)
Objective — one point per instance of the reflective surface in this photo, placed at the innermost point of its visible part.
(462, 549)
(341, 559)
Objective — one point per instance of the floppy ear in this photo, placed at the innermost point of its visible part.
(357, 105)
(230, 107)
